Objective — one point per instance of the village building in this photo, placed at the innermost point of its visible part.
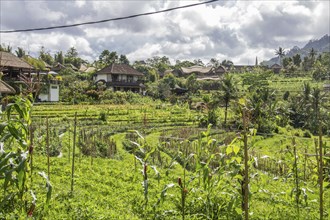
(204, 73)
(12, 66)
(6, 89)
(120, 77)
(86, 69)
(242, 68)
(20, 76)
(49, 86)
(276, 68)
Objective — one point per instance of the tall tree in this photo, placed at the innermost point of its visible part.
(107, 57)
(5, 48)
(72, 53)
(312, 53)
(199, 62)
(123, 59)
(229, 92)
(71, 57)
(214, 62)
(296, 60)
(160, 63)
(317, 102)
(184, 63)
(45, 56)
(286, 61)
(227, 63)
(59, 58)
(20, 52)
(280, 53)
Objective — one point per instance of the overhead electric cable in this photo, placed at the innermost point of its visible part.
(107, 20)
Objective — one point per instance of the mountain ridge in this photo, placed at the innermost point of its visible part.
(319, 45)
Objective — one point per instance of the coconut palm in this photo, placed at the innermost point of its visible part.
(312, 53)
(317, 100)
(20, 52)
(229, 91)
(5, 48)
(280, 53)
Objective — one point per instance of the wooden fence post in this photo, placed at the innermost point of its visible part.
(246, 168)
(47, 143)
(321, 172)
(296, 173)
(73, 150)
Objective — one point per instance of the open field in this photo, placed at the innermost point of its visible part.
(153, 162)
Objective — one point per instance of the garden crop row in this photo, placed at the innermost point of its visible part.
(186, 172)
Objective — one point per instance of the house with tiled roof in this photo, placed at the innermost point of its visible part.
(120, 77)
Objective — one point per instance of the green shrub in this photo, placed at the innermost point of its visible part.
(103, 116)
(307, 134)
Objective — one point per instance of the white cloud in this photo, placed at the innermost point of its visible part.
(235, 30)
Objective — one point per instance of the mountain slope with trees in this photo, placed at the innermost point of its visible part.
(319, 46)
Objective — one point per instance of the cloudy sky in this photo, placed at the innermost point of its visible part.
(234, 30)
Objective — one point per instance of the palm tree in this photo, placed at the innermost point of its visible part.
(20, 52)
(312, 53)
(59, 58)
(229, 91)
(317, 100)
(5, 48)
(280, 53)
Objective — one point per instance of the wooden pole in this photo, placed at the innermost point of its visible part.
(69, 141)
(31, 149)
(296, 173)
(47, 142)
(321, 172)
(73, 150)
(305, 163)
(246, 168)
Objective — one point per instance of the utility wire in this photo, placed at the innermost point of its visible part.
(107, 20)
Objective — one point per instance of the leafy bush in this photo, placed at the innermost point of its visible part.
(103, 116)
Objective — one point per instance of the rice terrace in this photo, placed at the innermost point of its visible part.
(162, 134)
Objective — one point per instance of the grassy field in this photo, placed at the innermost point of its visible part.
(191, 172)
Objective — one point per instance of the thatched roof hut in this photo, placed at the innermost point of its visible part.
(10, 60)
(6, 89)
(196, 69)
(119, 69)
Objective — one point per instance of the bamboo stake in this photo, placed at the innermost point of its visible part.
(93, 150)
(47, 142)
(296, 174)
(246, 169)
(321, 172)
(69, 141)
(317, 155)
(305, 163)
(31, 149)
(73, 150)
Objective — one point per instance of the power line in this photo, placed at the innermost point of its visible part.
(107, 20)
